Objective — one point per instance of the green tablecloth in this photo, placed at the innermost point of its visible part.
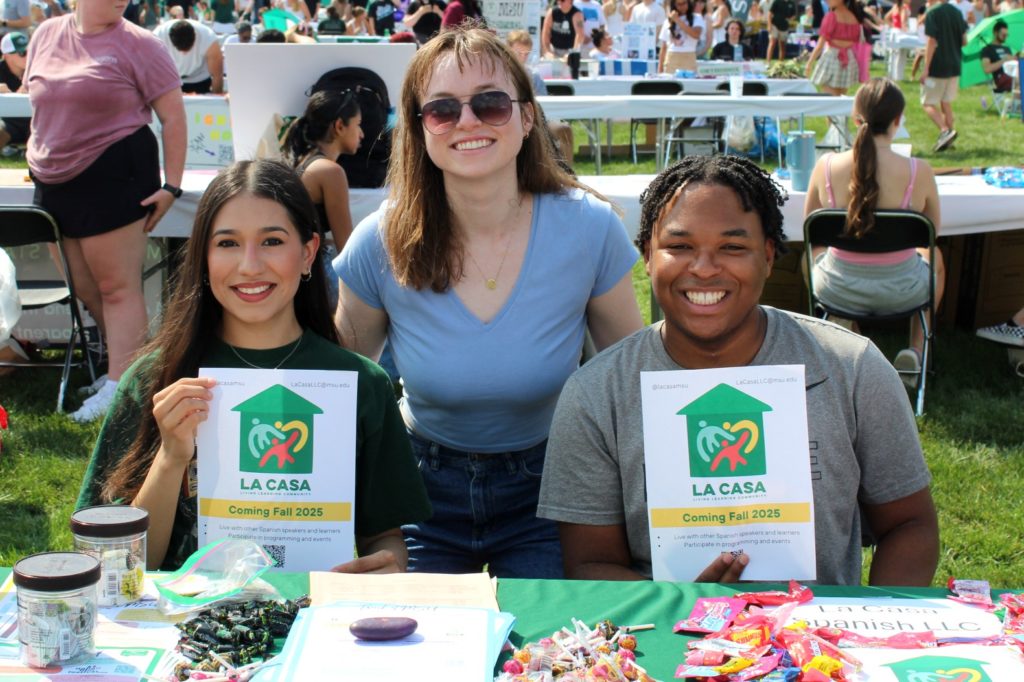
(543, 606)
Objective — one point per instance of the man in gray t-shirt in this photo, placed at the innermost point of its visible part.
(710, 228)
(17, 16)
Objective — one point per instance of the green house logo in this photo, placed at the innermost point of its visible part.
(939, 669)
(276, 432)
(725, 434)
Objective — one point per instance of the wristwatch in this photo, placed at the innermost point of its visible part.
(176, 192)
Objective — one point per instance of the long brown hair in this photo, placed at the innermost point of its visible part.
(192, 318)
(878, 103)
(421, 243)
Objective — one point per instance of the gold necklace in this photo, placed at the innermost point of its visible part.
(277, 366)
(491, 282)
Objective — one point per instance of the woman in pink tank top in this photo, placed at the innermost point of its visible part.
(869, 177)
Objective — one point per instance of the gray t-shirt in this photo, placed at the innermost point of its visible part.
(14, 10)
(864, 445)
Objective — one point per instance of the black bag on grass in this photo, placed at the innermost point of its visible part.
(369, 165)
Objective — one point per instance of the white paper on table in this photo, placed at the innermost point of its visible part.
(454, 644)
(884, 617)
(111, 664)
(277, 464)
(958, 663)
(431, 589)
(728, 468)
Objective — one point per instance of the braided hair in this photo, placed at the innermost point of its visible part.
(755, 188)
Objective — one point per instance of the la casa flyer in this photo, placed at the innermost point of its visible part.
(276, 464)
(727, 468)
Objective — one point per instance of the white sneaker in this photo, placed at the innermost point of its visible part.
(94, 386)
(1007, 332)
(908, 364)
(96, 406)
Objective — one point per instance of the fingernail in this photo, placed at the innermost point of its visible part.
(727, 558)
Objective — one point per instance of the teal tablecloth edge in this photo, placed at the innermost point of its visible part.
(544, 606)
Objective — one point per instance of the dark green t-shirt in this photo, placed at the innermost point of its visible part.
(782, 11)
(389, 489)
(945, 23)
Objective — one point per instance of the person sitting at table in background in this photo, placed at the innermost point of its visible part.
(833, 60)
(710, 228)
(733, 49)
(487, 260)
(807, 18)
(14, 130)
(604, 45)
(196, 54)
(562, 31)
(1010, 332)
(679, 36)
(328, 128)
(995, 54)
(96, 163)
(242, 34)
(459, 11)
(334, 24)
(249, 295)
(721, 12)
(359, 24)
(780, 12)
(868, 177)
(424, 18)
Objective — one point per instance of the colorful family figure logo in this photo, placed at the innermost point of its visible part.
(939, 669)
(276, 432)
(725, 434)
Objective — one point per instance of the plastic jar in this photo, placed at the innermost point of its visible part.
(56, 607)
(116, 535)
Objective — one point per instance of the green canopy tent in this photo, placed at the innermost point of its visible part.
(981, 35)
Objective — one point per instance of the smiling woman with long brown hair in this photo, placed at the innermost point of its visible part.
(483, 270)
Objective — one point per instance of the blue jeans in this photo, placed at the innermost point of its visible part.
(485, 513)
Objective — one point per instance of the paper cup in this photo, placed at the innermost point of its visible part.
(736, 86)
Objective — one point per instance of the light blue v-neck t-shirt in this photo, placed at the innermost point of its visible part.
(492, 387)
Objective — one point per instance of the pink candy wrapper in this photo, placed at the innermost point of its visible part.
(972, 592)
(711, 614)
(797, 593)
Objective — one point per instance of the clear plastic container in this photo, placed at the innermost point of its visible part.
(56, 607)
(116, 535)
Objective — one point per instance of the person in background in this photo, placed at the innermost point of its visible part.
(424, 18)
(14, 130)
(898, 16)
(872, 176)
(647, 12)
(242, 34)
(382, 17)
(836, 69)
(604, 45)
(196, 54)
(679, 38)
(225, 14)
(407, 37)
(359, 25)
(562, 31)
(459, 11)
(96, 163)
(946, 33)
(486, 259)
(521, 44)
(995, 55)
(593, 17)
(615, 13)
(297, 8)
(254, 232)
(271, 35)
(710, 230)
(17, 16)
(780, 12)
(334, 24)
(733, 49)
(721, 11)
(185, 7)
(979, 12)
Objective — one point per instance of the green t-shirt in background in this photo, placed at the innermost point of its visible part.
(389, 489)
(945, 23)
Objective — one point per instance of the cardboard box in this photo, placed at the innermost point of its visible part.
(1001, 278)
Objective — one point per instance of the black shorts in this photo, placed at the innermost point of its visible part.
(17, 128)
(107, 194)
(203, 87)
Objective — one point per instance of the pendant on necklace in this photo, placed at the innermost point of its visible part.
(491, 284)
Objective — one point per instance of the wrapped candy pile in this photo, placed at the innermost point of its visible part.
(602, 654)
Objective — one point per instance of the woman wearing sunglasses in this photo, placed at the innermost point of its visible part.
(482, 271)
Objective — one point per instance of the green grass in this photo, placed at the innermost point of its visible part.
(973, 431)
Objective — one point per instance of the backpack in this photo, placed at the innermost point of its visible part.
(369, 165)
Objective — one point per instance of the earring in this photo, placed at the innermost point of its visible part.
(307, 275)
(527, 135)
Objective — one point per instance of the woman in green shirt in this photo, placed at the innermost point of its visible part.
(247, 295)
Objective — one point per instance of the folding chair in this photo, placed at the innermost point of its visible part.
(25, 225)
(894, 230)
(676, 134)
(649, 88)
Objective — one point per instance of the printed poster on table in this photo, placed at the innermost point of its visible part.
(640, 41)
(277, 464)
(727, 469)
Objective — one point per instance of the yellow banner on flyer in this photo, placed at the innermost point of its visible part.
(786, 512)
(276, 511)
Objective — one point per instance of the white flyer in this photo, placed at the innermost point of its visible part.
(277, 464)
(884, 617)
(728, 468)
(960, 663)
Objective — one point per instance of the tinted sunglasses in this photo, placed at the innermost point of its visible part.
(493, 108)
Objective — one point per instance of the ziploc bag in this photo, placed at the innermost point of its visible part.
(225, 569)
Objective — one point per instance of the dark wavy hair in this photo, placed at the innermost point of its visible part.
(877, 104)
(755, 188)
(322, 110)
(192, 319)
